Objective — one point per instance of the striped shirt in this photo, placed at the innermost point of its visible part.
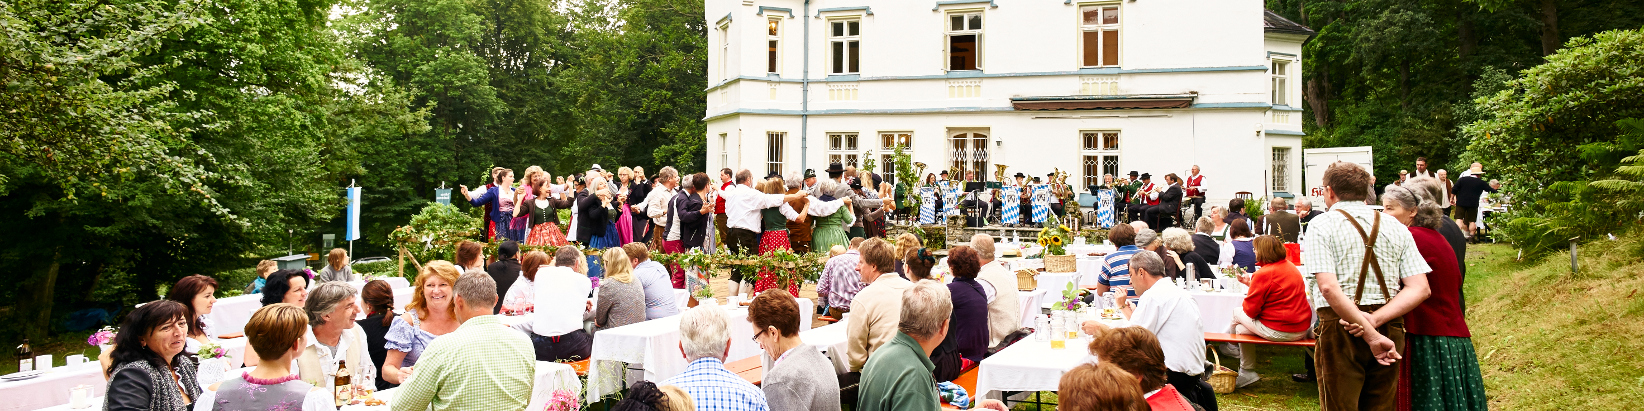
(1334, 246)
(713, 388)
(483, 365)
(1116, 271)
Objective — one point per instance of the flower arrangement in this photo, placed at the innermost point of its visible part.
(1054, 236)
(1071, 298)
(1232, 271)
(212, 351)
(104, 336)
(562, 400)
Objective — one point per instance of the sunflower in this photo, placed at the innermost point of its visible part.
(1055, 240)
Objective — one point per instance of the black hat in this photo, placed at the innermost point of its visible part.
(835, 169)
(1036, 179)
(810, 173)
(772, 175)
(507, 250)
(1146, 176)
(944, 172)
(1019, 175)
(877, 180)
(855, 185)
(1050, 175)
(1132, 173)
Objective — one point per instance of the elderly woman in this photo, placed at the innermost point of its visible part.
(286, 286)
(968, 330)
(276, 333)
(793, 380)
(149, 370)
(830, 224)
(1238, 250)
(428, 315)
(1439, 360)
(1194, 265)
(774, 221)
(1100, 386)
(336, 267)
(610, 204)
(1136, 351)
(593, 205)
(621, 298)
(1149, 240)
(335, 342)
(1276, 306)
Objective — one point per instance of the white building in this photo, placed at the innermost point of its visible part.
(1089, 87)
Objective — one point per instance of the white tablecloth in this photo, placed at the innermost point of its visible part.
(1030, 301)
(52, 388)
(230, 314)
(654, 346)
(830, 339)
(1028, 365)
(1052, 284)
(1216, 309)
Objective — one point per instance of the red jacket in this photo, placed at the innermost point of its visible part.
(1278, 298)
(1168, 399)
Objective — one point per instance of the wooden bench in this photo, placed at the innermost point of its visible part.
(750, 369)
(968, 382)
(753, 376)
(580, 366)
(827, 319)
(1251, 339)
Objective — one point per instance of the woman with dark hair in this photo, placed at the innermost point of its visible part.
(543, 211)
(919, 264)
(647, 396)
(149, 370)
(286, 286)
(968, 329)
(1238, 250)
(470, 256)
(197, 293)
(379, 303)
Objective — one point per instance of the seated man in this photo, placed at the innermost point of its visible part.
(899, 375)
(840, 282)
(877, 307)
(704, 339)
(561, 307)
(1280, 223)
(1171, 314)
(653, 277)
(480, 366)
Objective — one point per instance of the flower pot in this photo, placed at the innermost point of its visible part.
(1061, 264)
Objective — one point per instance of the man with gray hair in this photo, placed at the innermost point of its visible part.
(1170, 313)
(656, 207)
(899, 375)
(1204, 244)
(483, 365)
(999, 284)
(705, 340)
(333, 336)
(1305, 211)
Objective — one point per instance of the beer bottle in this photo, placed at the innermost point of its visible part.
(343, 386)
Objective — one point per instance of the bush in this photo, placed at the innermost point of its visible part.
(376, 269)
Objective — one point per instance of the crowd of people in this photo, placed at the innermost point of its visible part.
(1399, 341)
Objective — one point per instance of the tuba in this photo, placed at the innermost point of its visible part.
(1000, 174)
(919, 168)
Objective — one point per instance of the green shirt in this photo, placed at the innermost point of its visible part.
(898, 376)
(483, 365)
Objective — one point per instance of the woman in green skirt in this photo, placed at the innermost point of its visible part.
(1440, 370)
(830, 226)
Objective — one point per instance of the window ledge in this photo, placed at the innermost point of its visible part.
(939, 4)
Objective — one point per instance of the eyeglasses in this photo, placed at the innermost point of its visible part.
(757, 334)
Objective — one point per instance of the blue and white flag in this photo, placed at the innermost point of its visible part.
(950, 201)
(1041, 202)
(927, 205)
(1010, 198)
(1104, 207)
(353, 214)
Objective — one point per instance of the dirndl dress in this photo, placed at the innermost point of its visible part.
(830, 230)
(625, 225)
(772, 240)
(610, 238)
(1440, 373)
(546, 234)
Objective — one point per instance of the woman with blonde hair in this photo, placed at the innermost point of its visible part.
(430, 314)
(336, 267)
(774, 221)
(621, 299)
(602, 214)
(906, 244)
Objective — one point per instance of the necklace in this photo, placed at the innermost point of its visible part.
(259, 381)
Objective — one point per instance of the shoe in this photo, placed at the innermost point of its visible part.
(1228, 349)
(1246, 377)
(1303, 378)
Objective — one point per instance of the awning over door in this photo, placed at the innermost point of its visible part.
(1120, 102)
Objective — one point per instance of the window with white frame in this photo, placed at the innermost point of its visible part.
(889, 141)
(845, 46)
(724, 32)
(773, 40)
(968, 152)
(1281, 168)
(1281, 82)
(724, 150)
(1099, 150)
(964, 33)
(1099, 35)
(842, 149)
(773, 151)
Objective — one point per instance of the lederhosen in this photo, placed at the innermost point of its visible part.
(1346, 365)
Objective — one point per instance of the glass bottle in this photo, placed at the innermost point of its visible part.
(343, 385)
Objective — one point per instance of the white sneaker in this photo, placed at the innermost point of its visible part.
(1246, 377)
(1229, 349)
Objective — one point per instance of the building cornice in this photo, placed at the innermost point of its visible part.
(969, 74)
(944, 110)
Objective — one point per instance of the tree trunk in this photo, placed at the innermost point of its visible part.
(37, 323)
(1465, 34)
(1317, 95)
(1404, 84)
(1549, 28)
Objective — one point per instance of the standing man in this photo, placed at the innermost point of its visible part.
(1195, 191)
(1421, 170)
(1127, 192)
(720, 233)
(663, 189)
(1353, 248)
(1468, 189)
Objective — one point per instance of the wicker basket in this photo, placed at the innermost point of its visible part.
(1224, 379)
(1025, 280)
(1061, 264)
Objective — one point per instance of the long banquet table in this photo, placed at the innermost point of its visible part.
(653, 346)
(230, 314)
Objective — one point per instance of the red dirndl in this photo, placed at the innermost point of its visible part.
(769, 241)
(546, 234)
